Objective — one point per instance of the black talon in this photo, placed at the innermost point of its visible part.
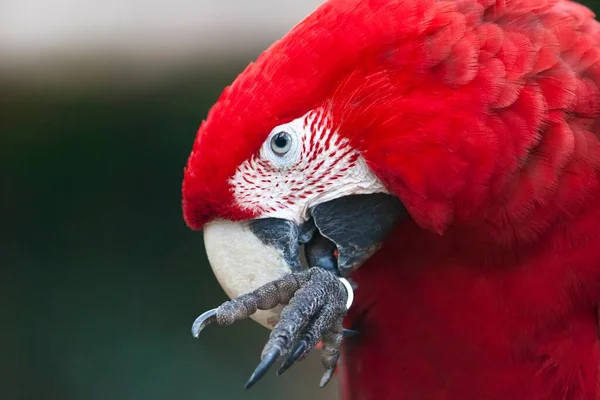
(291, 359)
(202, 321)
(348, 333)
(263, 367)
(326, 377)
(315, 305)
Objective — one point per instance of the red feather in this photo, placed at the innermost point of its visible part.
(482, 117)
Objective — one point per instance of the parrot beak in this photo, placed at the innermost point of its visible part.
(246, 255)
(340, 235)
(355, 226)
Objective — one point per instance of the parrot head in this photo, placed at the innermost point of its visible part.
(298, 194)
(318, 148)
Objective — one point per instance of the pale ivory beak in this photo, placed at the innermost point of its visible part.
(242, 262)
(249, 254)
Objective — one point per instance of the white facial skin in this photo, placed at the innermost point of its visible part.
(307, 164)
(317, 166)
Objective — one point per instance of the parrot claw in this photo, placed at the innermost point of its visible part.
(202, 321)
(288, 362)
(301, 348)
(326, 377)
(316, 303)
(314, 313)
(262, 368)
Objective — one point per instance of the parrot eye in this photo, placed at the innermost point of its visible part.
(281, 143)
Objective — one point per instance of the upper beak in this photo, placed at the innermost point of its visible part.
(246, 255)
(356, 225)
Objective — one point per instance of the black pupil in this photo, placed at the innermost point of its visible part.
(281, 140)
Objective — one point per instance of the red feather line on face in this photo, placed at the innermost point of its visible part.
(472, 112)
(295, 75)
(324, 158)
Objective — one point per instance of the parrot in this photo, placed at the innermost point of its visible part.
(412, 188)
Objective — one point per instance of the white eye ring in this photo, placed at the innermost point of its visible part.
(281, 143)
(283, 146)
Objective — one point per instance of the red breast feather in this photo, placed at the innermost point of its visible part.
(486, 126)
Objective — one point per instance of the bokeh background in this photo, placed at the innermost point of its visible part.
(100, 279)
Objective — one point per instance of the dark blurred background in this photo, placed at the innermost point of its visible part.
(100, 279)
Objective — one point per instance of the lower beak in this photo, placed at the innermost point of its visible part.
(340, 236)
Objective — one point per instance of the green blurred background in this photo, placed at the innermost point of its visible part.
(100, 277)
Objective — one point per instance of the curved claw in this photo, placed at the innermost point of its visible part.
(292, 358)
(263, 367)
(326, 377)
(202, 321)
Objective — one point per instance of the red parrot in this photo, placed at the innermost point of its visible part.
(443, 157)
